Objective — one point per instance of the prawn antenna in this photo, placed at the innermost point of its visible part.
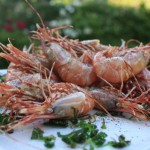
(40, 18)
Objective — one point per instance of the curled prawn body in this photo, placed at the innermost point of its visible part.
(69, 68)
(72, 58)
(117, 66)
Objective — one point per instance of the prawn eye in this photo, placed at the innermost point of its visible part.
(46, 43)
(64, 106)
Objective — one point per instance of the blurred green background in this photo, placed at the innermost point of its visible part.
(107, 20)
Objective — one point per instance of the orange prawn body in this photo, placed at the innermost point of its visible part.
(63, 99)
(52, 101)
(79, 99)
(117, 66)
(115, 100)
(69, 68)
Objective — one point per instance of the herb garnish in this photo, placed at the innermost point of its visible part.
(91, 137)
(121, 142)
(4, 120)
(103, 124)
(37, 134)
(2, 78)
(64, 122)
(57, 123)
(87, 133)
(101, 114)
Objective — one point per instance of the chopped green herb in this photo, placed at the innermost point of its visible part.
(92, 118)
(96, 141)
(101, 114)
(49, 141)
(99, 139)
(120, 144)
(2, 78)
(4, 120)
(74, 120)
(68, 139)
(87, 133)
(103, 124)
(37, 134)
(57, 122)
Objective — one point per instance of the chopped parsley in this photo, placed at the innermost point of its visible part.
(4, 120)
(120, 143)
(49, 141)
(101, 114)
(97, 141)
(57, 123)
(87, 133)
(37, 134)
(2, 78)
(103, 124)
(91, 137)
(64, 122)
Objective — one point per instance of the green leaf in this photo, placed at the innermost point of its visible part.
(4, 121)
(57, 122)
(49, 144)
(121, 142)
(87, 133)
(2, 78)
(103, 124)
(100, 139)
(49, 141)
(37, 133)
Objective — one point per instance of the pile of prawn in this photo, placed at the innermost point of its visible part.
(62, 75)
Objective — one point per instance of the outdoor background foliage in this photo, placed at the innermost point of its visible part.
(91, 19)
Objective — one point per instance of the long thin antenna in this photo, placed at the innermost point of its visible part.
(36, 13)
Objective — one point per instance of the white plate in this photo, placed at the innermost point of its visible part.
(3, 71)
(136, 131)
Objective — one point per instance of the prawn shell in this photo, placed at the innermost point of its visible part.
(119, 68)
(69, 68)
